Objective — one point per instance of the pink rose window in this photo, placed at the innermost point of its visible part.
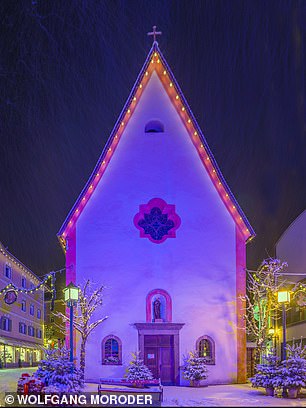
(157, 220)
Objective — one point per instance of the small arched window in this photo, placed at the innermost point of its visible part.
(205, 346)
(154, 126)
(111, 351)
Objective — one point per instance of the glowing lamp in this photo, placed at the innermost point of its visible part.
(271, 331)
(71, 294)
(283, 296)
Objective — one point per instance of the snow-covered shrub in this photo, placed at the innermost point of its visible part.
(111, 360)
(137, 371)
(195, 367)
(267, 372)
(56, 370)
(51, 389)
(292, 373)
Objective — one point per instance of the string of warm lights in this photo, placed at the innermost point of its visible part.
(50, 276)
(155, 62)
(12, 286)
(11, 258)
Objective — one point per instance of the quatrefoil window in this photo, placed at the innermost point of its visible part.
(157, 220)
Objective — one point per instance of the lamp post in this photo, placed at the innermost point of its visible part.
(273, 333)
(71, 294)
(283, 297)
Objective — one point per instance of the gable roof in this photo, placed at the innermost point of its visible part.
(155, 61)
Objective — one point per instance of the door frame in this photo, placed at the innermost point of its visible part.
(152, 329)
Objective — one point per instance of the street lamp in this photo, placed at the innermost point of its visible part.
(272, 332)
(71, 295)
(283, 297)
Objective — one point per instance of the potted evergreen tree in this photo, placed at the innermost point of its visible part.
(292, 374)
(266, 373)
(195, 369)
(57, 372)
(137, 372)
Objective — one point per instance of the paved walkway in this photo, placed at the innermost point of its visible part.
(213, 396)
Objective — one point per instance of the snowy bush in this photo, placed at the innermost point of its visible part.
(292, 373)
(267, 372)
(111, 360)
(195, 367)
(137, 370)
(57, 371)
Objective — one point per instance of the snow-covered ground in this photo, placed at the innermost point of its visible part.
(213, 396)
(242, 395)
(9, 378)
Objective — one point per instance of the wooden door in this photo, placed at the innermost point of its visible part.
(159, 357)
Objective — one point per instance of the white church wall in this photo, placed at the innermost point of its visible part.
(197, 268)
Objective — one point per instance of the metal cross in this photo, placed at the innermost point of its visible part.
(155, 33)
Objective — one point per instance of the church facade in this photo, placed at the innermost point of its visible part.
(157, 225)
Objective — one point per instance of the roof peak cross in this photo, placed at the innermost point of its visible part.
(155, 33)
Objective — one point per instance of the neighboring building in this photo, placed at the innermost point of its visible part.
(157, 225)
(54, 336)
(291, 247)
(21, 314)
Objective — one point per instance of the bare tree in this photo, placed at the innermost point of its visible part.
(261, 302)
(87, 305)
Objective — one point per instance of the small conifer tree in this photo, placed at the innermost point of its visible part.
(56, 370)
(195, 367)
(137, 371)
(266, 372)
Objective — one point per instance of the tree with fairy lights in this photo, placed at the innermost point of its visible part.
(261, 302)
(137, 371)
(83, 322)
(58, 372)
(195, 368)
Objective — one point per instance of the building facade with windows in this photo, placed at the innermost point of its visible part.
(21, 314)
(291, 248)
(157, 225)
(54, 334)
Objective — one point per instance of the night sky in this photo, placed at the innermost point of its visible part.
(67, 67)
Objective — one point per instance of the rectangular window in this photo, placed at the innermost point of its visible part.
(38, 313)
(38, 333)
(22, 328)
(8, 271)
(31, 331)
(32, 310)
(24, 282)
(23, 306)
(6, 324)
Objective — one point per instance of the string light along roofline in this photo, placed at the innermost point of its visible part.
(155, 61)
(18, 263)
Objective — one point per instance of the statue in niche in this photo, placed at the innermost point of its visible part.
(156, 309)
